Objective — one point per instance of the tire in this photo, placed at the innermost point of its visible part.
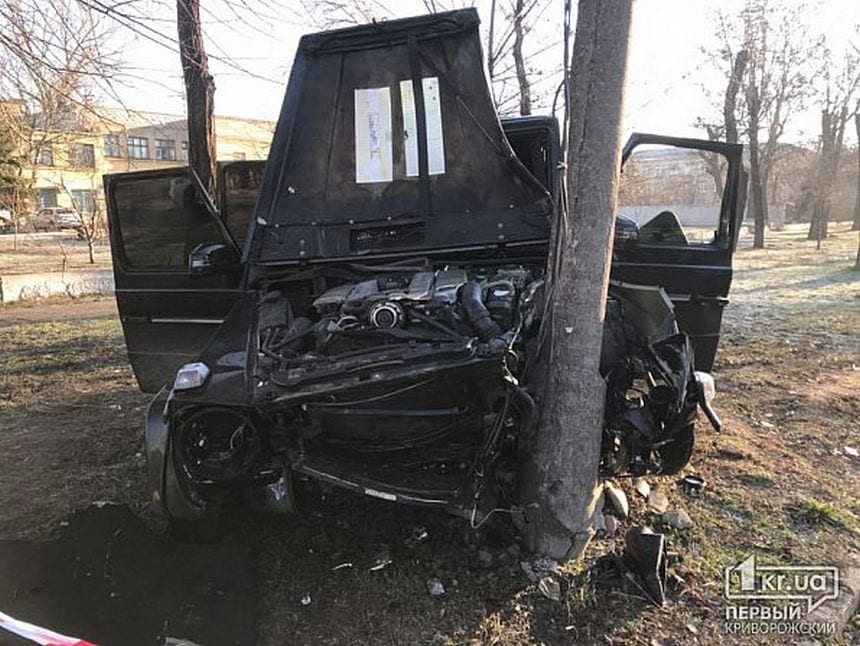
(675, 453)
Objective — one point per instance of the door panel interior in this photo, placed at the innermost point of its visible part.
(682, 199)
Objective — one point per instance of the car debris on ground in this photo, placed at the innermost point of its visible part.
(435, 587)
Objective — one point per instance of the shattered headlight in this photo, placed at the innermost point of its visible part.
(191, 375)
(706, 383)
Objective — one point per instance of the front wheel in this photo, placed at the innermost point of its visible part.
(673, 455)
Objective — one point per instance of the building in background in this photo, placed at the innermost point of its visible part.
(67, 163)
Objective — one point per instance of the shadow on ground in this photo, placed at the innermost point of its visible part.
(108, 579)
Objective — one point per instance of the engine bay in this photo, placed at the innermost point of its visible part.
(417, 307)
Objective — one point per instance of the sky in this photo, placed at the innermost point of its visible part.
(251, 44)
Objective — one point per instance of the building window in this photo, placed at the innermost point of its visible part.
(46, 197)
(239, 156)
(138, 148)
(165, 149)
(45, 156)
(85, 200)
(183, 151)
(112, 148)
(82, 155)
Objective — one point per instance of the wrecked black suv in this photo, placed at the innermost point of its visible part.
(365, 309)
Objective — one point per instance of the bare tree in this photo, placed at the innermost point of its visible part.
(52, 61)
(12, 183)
(728, 129)
(90, 217)
(329, 14)
(199, 92)
(511, 54)
(840, 83)
(519, 59)
(768, 49)
(560, 472)
(856, 226)
(511, 51)
(857, 259)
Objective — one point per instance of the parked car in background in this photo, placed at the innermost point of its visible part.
(56, 218)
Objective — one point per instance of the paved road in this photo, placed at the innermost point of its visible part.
(88, 308)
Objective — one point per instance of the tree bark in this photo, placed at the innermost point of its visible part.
(519, 61)
(491, 54)
(856, 226)
(756, 188)
(731, 98)
(832, 139)
(560, 464)
(857, 259)
(199, 92)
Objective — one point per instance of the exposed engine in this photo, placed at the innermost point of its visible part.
(418, 381)
(396, 307)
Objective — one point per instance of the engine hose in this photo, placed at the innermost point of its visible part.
(477, 313)
(522, 396)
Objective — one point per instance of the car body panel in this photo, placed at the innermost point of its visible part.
(316, 205)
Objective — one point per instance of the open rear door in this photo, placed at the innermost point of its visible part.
(679, 207)
(168, 313)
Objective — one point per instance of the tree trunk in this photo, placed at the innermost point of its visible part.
(857, 201)
(832, 138)
(857, 259)
(491, 54)
(560, 465)
(731, 98)
(519, 61)
(756, 197)
(199, 92)
(756, 188)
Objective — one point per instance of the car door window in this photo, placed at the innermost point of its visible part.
(240, 184)
(163, 218)
(673, 194)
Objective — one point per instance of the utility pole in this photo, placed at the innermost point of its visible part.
(560, 471)
(199, 92)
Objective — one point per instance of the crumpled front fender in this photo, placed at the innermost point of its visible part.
(167, 495)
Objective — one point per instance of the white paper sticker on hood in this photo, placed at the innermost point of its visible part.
(433, 114)
(373, 158)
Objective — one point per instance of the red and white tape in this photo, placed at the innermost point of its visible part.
(41, 636)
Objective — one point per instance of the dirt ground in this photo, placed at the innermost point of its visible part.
(780, 485)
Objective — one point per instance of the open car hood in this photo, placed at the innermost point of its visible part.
(388, 143)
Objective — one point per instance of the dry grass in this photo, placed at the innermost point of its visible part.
(779, 482)
(49, 252)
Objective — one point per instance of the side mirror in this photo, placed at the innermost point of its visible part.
(211, 258)
(626, 231)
